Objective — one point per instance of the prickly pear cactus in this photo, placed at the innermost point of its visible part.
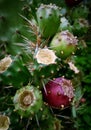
(28, 101)
(13, 72)
(44, 69)
(46, 65)
(59, 92)
(64, 43)
(48, 17)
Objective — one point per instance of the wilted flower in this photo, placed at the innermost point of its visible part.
(27, 101)
(46, 56)
(4, 122)
(73, 67)
(5, 63)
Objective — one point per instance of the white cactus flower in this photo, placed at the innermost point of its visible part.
(45, 56)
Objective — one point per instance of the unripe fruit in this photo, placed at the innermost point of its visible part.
(58, 92)
(81, 26)
(64, 44)
(48, 17)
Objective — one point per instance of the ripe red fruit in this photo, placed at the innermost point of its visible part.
(73, 2)
(58, 93)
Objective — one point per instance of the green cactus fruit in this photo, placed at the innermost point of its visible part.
(81, 11)
(48, 17)
(13, 72)
(80, 26)
(27, 101)
(64, 44)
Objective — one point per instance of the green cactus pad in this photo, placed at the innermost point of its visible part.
(51, 123)
(15, 74)
(45, 65)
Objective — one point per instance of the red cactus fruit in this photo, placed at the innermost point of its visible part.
(73, 2)
(58, 93)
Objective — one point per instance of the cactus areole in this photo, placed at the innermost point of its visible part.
(64, 44)
(58, 93)
(48, 17)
